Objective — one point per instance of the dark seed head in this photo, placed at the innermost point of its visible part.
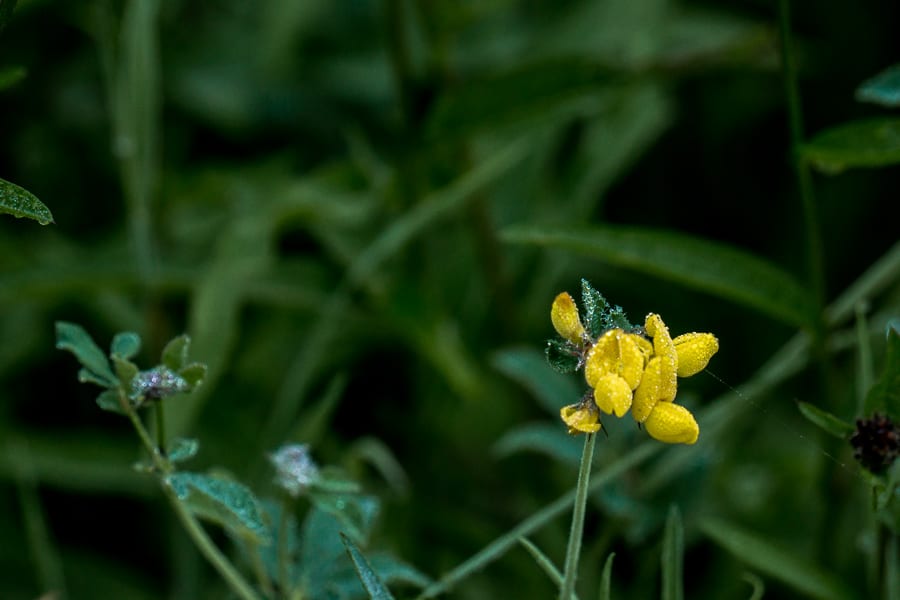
(876, 443)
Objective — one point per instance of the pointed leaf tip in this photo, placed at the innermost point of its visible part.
(19, 202)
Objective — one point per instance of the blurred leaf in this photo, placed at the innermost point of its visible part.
(759, 586)
(524, 91)
(9, 76)
(76, 340)
(702, 264)
(868, 143)
(544, 438)
(885, 394)
(125, 345)
(355, 512)
(228, 503)
(606, 578)
(393, 570)
(126, 371)
(528, 368)
(182, 449)
(6, 10)
(673, 557)
(193, 374)
(883, 89)
(370, 580)
(763, 555)
(321, 550)
(313, 422)
(19, 203)
(175, 354)
(108, 400)
(376, 453)
(825, 420)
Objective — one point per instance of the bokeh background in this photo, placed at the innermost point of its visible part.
(321, 194)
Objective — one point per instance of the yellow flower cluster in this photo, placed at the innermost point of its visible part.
(628, 371)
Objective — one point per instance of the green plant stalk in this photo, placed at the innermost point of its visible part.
(570, 571)
(865, 368)
(261, 575)
(198, 535)
(160, 427)
(804, 177)
(283, 550)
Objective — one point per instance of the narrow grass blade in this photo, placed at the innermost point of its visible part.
(673, 557)
(825, 420)
(370, 580)
(543, 561)
(606, 578)
(769, 558)
(702, 264)
(865, 143)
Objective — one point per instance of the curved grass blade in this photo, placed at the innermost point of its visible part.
(766, 557)
(606, 578)
(673, 557)
(19, 202)
(543, 561)
(702, 264)
(370, 580)
(826, 421)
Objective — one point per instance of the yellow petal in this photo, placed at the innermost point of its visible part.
(618, 353)
(612, 395)
(663, 348)
(644, 344)
(658, 384)
(565, 319)
(580, 418)
(694, 351)
(631, 358)
(672, 424)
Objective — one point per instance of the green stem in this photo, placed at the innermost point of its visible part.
(198, 535)
(804, 178)
(283, 549)
(865, 374)
(570, 572)
(160, 427)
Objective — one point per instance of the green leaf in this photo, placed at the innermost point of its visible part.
(562, 355)
(125, 345)
(182, 449)
(370, 580)
(125, 370)
(10, 76)
(885, 394)
(825, 420)
(193, 374)
(108, 400)
(355, 512)
(20, 203)
(787, 566)
(526, 92)
(175, 354)
(228, 503)
(606, 578)
(702, 264)
(883, 89)
(599, 314)
(76, 340)
(673, 557)
(866, 143)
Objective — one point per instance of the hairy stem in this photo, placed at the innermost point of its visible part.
(570, 572)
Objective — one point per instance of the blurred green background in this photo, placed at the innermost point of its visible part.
(325, 196)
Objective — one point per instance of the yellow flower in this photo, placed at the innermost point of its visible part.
(565, 319)
(613, 367)
(694, 351)
(653, 403)
(673, 424)
(582, 417)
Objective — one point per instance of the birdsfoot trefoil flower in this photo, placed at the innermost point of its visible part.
(627, 367)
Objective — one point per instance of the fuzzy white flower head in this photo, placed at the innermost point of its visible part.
(295, 470)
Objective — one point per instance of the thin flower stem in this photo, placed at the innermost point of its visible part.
(160, 427)
(570, 572)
